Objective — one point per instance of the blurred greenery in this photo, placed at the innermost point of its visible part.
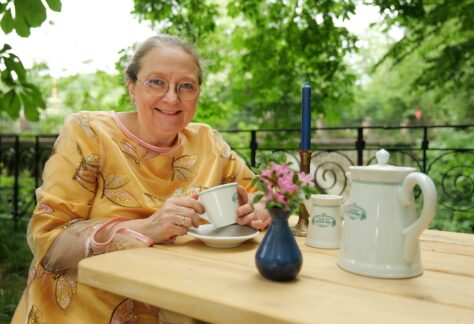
(441, 34)
(26, 191)
(16, 92)
(15, 258)
(453, 171)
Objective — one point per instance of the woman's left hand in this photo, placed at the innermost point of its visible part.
(248, 213)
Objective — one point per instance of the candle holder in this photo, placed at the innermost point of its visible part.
(301, 227)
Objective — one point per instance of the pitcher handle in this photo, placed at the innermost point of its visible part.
(428, 189)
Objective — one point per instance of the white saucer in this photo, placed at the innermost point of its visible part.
(224, 237)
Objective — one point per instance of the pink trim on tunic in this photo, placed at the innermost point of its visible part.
(138, 140)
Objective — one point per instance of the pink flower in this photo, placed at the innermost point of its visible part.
(305, 178)
(286, 184)
(280, 198)
(266, 173)
(284, 188)
(280, 169)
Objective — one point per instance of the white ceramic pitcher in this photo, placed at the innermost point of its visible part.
(380, 235)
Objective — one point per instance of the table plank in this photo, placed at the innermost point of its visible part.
(223, 285)
(444, 281)
(448, 237)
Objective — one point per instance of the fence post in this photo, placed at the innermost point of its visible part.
(15, 183)
(360, 145)
(424, 147)
(37, 162)
(253, 148)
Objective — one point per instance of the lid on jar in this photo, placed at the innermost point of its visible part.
(326, 200)
(380, 172)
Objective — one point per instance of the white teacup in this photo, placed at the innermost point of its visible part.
(324, 228)
(221, 204)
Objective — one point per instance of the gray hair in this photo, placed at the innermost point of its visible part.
(162, 40)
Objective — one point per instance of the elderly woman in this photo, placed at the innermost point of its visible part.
(125, 180)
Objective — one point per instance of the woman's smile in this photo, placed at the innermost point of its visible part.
(168, 112)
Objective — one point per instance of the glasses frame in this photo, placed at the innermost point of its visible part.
(148, 88)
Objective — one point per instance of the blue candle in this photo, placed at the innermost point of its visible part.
(306, 117)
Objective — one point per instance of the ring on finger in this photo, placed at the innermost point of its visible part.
(183, 218)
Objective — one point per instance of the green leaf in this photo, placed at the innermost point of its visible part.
(13, 63)
(21, 26)
(54, 5)
(7, 78)
(35, 94)
(254, 181)
(5, 48)
(35, 13)
(29, 107)
(11, 104)
(7, 22)
(257, 198)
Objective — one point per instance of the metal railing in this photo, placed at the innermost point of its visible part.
(334, 149)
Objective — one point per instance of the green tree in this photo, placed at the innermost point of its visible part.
(394, 90)
(16, 92)
(263, 51)
(445, 30)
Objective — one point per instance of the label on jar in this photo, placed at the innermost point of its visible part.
(323, 220)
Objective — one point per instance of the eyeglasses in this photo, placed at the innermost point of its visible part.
(158, 87)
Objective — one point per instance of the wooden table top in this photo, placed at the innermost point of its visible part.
(224, 286)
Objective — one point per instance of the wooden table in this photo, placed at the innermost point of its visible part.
(224, 286)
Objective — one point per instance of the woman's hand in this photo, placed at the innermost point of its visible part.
(249, 214)
(173, 219)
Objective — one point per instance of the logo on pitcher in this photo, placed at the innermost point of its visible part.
(356, 212)
(323, 220)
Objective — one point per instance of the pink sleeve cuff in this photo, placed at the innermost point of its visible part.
(92, 243)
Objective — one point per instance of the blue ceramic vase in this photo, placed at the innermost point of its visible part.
(278, 257)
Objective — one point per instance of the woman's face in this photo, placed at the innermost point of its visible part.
(161, 118)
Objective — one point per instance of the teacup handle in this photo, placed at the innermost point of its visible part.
(413, 232)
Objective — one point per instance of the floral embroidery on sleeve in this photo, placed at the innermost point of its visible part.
(181, 167)
(66, 288)
(113, 191)
(84, 122)
(87, 175)
(137, 153)
(35, 316)
(124, 313)
(43, 209)
(88, 170)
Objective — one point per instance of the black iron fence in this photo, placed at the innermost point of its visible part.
(444, 152)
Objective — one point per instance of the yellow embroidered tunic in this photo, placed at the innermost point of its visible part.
(97, 172)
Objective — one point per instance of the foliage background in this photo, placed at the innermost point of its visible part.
(259, 53)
